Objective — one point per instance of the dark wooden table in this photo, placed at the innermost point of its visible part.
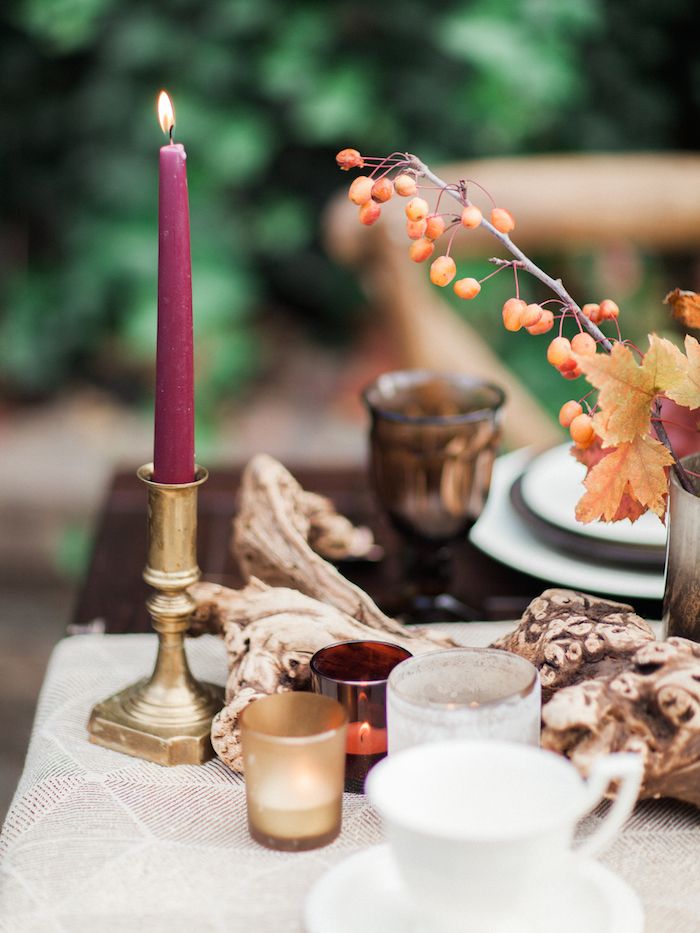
(115, 593)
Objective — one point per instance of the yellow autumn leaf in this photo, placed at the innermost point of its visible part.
(666, 361)
(677, 376)
(626, 390)
(636, 469)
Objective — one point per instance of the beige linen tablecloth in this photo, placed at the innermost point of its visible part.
(97, 842)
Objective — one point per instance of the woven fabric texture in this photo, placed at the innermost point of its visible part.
(98, 841)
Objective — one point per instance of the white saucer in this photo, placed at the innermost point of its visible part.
(503, 535)
(363, 894)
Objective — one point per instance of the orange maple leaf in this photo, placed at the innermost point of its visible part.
(685, 307)
(636, 468)
(626, 391)
(591, 456)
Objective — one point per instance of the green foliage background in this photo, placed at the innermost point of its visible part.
(266, 91)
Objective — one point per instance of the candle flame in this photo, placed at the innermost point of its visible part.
(363, 732)
(166, 113)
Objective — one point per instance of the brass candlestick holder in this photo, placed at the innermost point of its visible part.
(167, 717)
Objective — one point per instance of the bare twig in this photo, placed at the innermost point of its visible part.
(513, 263)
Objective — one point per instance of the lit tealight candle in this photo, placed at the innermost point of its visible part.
(364, 739)
(295, 805)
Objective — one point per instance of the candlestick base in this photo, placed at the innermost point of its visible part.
(165, 718)
(128, 722)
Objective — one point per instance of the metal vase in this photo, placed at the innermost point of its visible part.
(681, 612)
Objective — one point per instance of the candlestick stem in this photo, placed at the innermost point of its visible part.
(167, 717)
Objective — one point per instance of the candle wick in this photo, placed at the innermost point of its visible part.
(170, 133)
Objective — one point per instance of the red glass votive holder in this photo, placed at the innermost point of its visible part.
(355, 674)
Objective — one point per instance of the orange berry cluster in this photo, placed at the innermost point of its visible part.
(422, 226)
(580, 425)
(607, 310)
(369, 194)
(425, 227)
(533, 317)
(561, 352)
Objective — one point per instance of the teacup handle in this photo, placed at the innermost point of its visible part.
(626, 768)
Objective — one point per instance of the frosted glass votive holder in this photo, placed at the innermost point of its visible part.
(294, 766)
(463, 693)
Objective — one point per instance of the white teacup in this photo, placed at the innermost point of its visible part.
(476, 825)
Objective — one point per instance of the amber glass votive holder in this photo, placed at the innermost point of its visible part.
(355, 674)
(293, 759)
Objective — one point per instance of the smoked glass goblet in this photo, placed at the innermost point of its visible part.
(433, 440)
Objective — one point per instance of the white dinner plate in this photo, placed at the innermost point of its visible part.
(552, 485)
(503, 535)
(364, 894)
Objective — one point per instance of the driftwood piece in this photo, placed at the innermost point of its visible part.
(270, 635)
(278, 532)
(571, 637)
(651, 707)
(332, 535)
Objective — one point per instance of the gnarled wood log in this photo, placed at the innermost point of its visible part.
(270, 635)
(651, 707)
(571, 637)
(278, 531)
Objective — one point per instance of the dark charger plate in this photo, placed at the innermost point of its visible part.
(591, 549)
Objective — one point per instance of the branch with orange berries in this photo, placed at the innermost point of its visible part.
(627, 466)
